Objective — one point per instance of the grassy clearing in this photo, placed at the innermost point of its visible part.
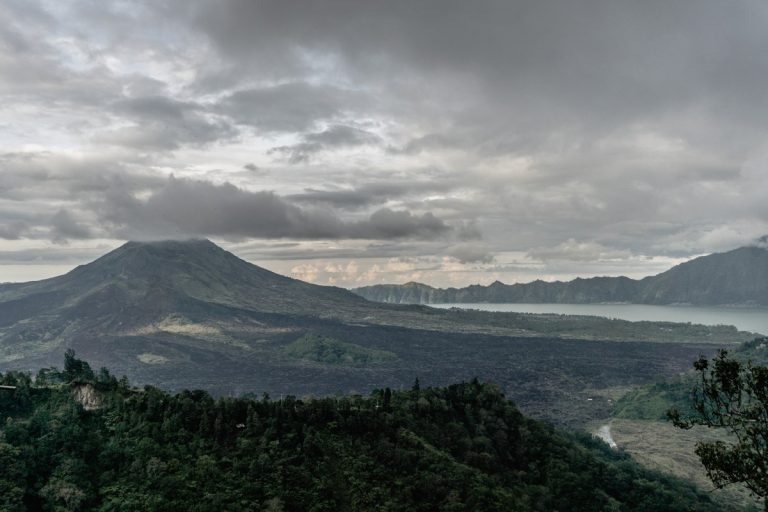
(327, 350)
(659, 445)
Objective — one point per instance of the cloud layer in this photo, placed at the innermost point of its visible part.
(573, 133)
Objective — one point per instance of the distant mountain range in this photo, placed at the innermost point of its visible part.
(735, 278)
(188, 314)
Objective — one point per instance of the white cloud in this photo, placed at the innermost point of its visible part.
(306, 272)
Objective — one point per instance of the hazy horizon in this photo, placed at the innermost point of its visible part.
(42, 271)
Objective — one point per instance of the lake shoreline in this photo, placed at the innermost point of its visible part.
(752, 319)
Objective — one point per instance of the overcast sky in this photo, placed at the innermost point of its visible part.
(355, 142)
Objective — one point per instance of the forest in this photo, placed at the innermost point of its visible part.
(75, 439)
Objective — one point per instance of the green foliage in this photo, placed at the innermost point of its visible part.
(327, 350)
(755, 351)
(49, 377)
(732, 395)
(12, 477)
(653, 401)
(463, 447)
(76, 369)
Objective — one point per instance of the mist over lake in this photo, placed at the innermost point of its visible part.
(746, 319)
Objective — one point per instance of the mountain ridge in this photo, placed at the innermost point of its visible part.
(188, 314)
(737, 277)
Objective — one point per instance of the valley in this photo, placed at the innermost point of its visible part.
(189, 315)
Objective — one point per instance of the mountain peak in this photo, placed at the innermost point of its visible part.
(140, 284)
(417, 284)
(191, 245)
(169, 243)
(163, 258)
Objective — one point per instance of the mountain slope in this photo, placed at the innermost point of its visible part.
(191, 315)
(197, 269)
(190, 287)
(738, 277)
(735, 277)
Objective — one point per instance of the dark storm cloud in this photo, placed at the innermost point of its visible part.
(26, 177)
(626, 56)
(54, 197)
(391, 224)
(188, 207)
(125, 204)
(66, 227)
(566, 128)
(592, 93)
(24, 221)
(289, 107)
(526, 75)
(471, 253)
(13, 229)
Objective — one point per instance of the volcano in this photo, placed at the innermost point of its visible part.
(188, 314)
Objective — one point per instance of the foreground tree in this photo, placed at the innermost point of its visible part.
(733, 396)
(76, 369)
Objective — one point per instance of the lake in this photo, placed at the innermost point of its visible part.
(745, 319)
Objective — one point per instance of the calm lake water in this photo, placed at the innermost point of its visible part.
(745, 319)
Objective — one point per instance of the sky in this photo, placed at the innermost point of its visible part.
(352, 143)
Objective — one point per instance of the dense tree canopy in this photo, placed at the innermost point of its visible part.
(462, 447)
(732, 395)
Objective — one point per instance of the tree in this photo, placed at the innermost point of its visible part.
(48, 376)
(76, 369)
(733, 396)
(12, 477)
(387, 399)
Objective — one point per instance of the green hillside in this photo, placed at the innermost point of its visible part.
(460, 447)
(652, 401)
(324, 349)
